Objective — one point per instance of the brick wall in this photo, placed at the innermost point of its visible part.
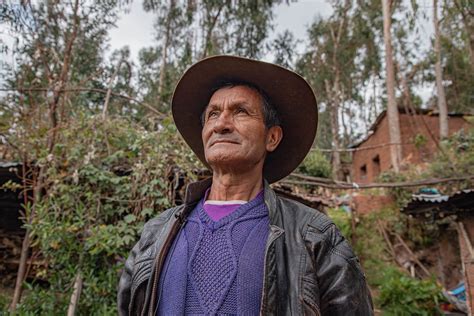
(364, 204)
(368, 164)
(365, 158)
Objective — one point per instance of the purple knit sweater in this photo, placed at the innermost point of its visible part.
(216, 267)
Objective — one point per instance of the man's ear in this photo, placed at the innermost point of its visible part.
(274, 136)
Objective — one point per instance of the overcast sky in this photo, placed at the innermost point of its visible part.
(135, 28)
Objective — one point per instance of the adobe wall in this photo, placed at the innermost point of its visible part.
(410, 126)
(428, 126)
(365, 157)
(365, 204)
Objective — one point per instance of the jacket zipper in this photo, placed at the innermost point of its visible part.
(271, 238)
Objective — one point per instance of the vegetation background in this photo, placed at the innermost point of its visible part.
(100, 154)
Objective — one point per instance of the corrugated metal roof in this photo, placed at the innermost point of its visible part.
(438, 206)
(434, 198)
(9, 164)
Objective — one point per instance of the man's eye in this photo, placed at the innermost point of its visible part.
(241, 110)
(212, 114)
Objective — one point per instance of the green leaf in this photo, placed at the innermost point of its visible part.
(129, 218)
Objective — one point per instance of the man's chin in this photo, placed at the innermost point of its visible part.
(226, 160)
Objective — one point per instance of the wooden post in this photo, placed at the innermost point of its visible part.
(467, 260)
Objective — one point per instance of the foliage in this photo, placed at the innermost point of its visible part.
(342, 219)
(187, 31)
(316, 164)
(402, 195)
(105, 179)
(283, 47)
(420, 141)
(401, 295)
(371, 247)
(397, 293)
(341, 57)
(457, 157)
(457, 48)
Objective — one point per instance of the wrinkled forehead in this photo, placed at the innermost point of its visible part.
(235, 95)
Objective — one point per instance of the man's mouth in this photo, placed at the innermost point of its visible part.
(224, 141)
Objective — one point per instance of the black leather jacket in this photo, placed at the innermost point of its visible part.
(309, 267)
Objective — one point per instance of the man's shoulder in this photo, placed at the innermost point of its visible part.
(304, 214)
(161, 218)
(153, 227)
(315, 226)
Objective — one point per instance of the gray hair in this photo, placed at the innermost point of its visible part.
(269, 111)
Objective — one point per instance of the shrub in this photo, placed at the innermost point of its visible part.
(104, 180)
(316, 164)
(401, 295)
(342, 219)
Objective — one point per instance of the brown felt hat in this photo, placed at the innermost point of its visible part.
(291, 95)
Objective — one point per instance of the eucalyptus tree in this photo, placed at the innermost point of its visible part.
(341, 57)
(283, 49)
(190, 30)
(442, 106)
(456, 37)
(392, 108)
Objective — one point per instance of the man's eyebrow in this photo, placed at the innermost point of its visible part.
(211, 106)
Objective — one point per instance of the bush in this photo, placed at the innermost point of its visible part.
(457, 158)
(316, 164)
(342, 219)
(104, 180)
(401, 295)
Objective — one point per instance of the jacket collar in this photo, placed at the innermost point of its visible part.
(196, 190)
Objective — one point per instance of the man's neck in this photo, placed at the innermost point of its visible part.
(227, 187)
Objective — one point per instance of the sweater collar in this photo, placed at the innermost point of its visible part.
(196, 190)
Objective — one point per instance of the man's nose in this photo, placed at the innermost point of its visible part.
(224, 123)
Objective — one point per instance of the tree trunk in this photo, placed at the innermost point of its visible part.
(442, 106)
(212, 20)
(392, 110)
(21, 272)
(109, 90)
(76, 294)
(334, 119)
(164, 52)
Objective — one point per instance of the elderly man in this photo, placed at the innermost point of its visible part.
(235, 247)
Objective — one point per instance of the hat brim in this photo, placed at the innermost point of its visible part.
(291, 95)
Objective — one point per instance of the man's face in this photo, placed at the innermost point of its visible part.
(234, 133)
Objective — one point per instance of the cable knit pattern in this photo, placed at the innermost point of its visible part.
(213, 268)
(223, 263)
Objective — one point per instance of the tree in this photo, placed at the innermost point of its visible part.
(59, 52)
(443, 108)
(342, 57)
(191, 30)
(283, 49)
(457, 46)
(392, 109)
